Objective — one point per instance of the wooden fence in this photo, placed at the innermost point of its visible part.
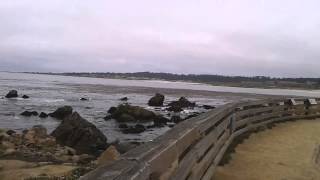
(193, 149)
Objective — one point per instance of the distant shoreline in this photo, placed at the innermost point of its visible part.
(231, 81)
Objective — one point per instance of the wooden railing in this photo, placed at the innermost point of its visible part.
(193, 149)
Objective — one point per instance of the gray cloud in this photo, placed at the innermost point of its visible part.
(230, 37)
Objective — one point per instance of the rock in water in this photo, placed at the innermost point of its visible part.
(12, 94)
(29, 113)
(25, 97)
(43, 115)
(112, 110)
(76, 132)
(62, 112)
(207, 107)
(176, 119)
(124, 99)
(156, 100)
(177, 106)
(137, 129)
(126, 113)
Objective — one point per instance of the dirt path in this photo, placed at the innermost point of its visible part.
(289, 151)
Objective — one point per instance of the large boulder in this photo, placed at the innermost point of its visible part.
(76, 132)
(126, 113)
(12, 94)
(62, 112)
(156, 100)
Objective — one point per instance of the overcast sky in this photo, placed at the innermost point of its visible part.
(229, 37)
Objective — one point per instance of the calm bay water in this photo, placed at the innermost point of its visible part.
(48, 92)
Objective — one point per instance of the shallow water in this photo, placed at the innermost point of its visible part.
(48, 92)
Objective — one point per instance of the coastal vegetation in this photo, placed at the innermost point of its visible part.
(219, 80)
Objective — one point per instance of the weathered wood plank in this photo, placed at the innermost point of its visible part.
(201, 167)
(210, 171)
(194, 147)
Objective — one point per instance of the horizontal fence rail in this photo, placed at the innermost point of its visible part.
(193, 149)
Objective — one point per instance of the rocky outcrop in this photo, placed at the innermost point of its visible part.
(177, 106)
(128, 113)
(34, 145)
(12, 94)
(62, 112)
(78, 133)
(156, 100)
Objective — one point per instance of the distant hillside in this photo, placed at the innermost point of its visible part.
(238, 81)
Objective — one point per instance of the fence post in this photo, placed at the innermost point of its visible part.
(232, 122)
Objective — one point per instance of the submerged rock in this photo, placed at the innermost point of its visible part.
(123, 126)
(25, 97)
(78, 133)
(84, 99)
(43, 115)
(124, 99)
(29, 113)
(207, 107)
(156, 100)
(176, 106)
(62, 112)
(160, 121)
(12, 94)
(137, 129)
(125, 118)
(176, 119)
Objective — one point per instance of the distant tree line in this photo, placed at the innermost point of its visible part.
(204, 78)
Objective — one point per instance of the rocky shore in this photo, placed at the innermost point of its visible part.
(77, 146)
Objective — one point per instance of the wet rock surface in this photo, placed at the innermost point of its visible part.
(12, 94)
(34, 145)
(78, 133)
(129, 113)
(137, 129)
(124, 99)
(62, 112)
(43, 115)
(29, 113)
(177, 106)
(25, 97)
(156, 100)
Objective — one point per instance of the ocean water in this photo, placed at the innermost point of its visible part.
(48, 92)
